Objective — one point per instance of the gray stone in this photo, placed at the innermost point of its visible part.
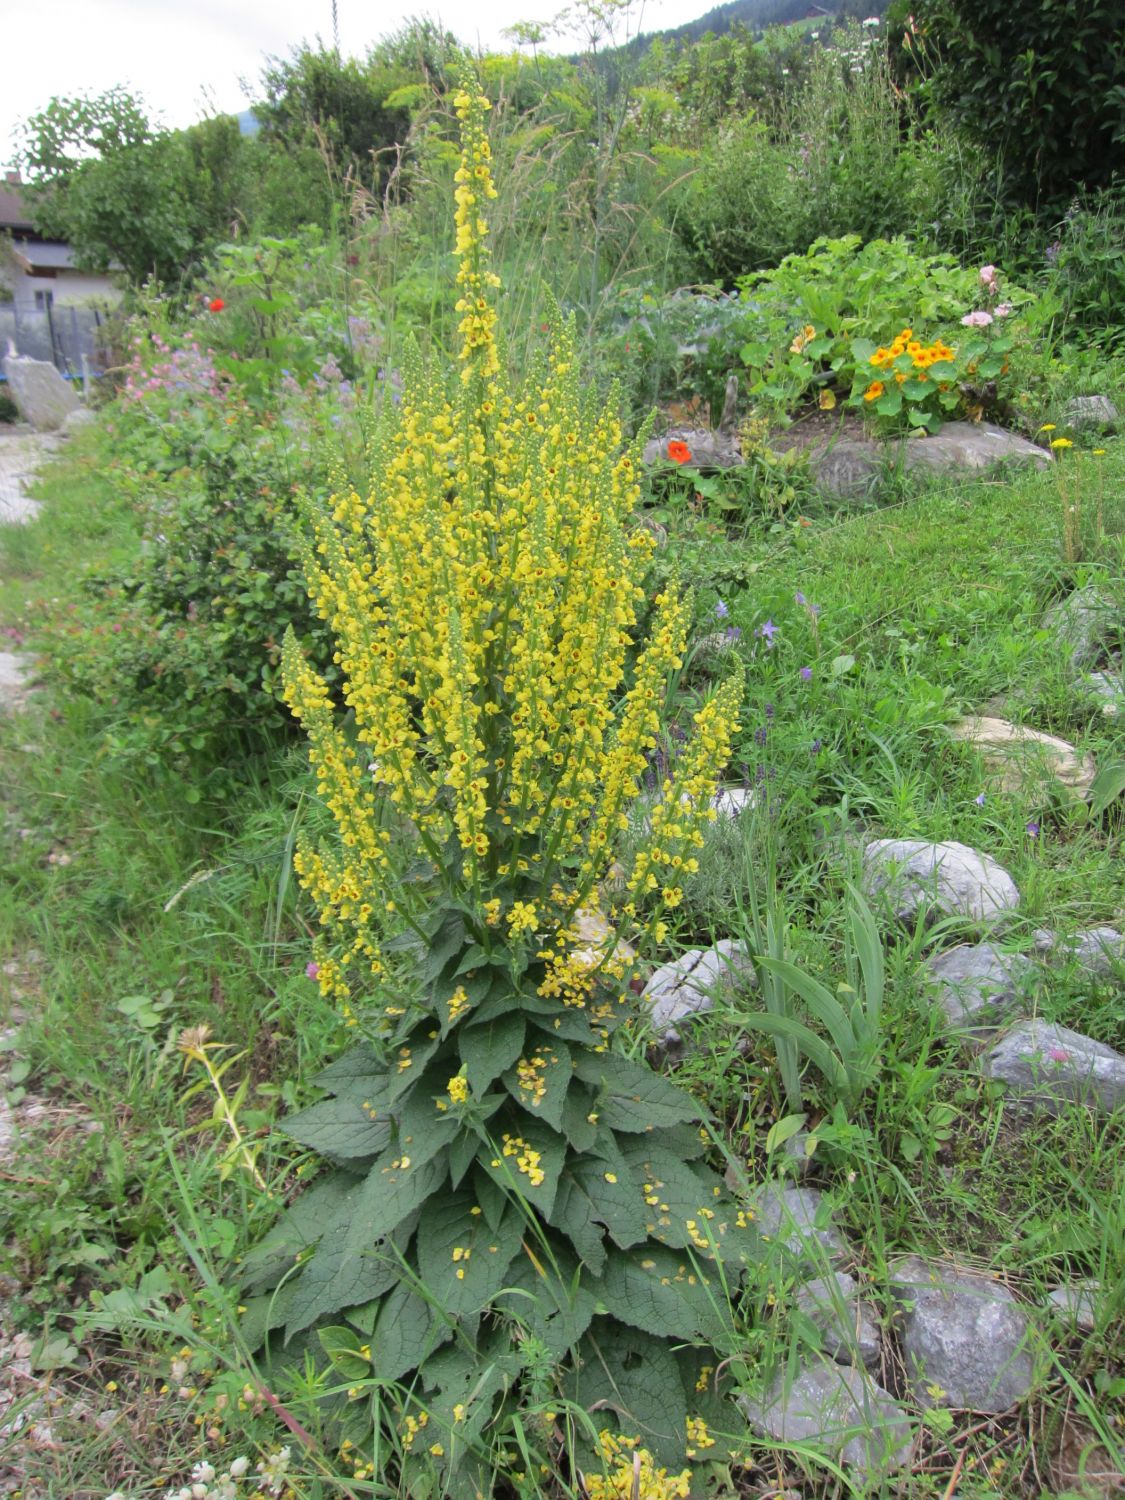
(1107, 688)
(730, 802)
(977, 982)
(963, 1336)
(1047, 1066)
(1098, 951)
(685, 988)
(1085, 624)
(798, 1159)
(847, 1323)
(1025, 761)
(970, 446)
(1077, 1304)
(918, 876)
(42, 396)
(80, 417)
(13, 682)
(848, 469)
(798, 1218)
(1089, 411)
(709, 450)
(839, 1409)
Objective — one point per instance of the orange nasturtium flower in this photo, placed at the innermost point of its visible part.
(873, 391)
(679, 452)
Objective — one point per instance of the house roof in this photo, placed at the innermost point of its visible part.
(13, 210)
(47, 255)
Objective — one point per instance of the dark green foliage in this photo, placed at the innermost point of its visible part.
(496, 1227)
(1043, 83)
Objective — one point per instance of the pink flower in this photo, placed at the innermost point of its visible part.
(1058, 1054)
(1003, 309)
(976, 320)
(988, 276)
(312, 970)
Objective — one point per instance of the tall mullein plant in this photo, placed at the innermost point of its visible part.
(510, 1193)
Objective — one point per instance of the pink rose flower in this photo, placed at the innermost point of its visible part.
(978, 319)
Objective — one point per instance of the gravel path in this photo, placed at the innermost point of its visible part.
(21, 453)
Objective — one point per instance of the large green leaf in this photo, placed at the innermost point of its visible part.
(406, 1331)
(550, 1296)
(579, 1118)
(298, 1228)
(539, 1184)
(680, 1199)
(601, 1190)
(489, 1048)
(667, 1294)
(360, 1064)
(633, 1097)
(338, 1276)
(424, 1128)
(389, 1193)
(341, 1129)
(635, 1376)
(462, 1259)
(540, 1080)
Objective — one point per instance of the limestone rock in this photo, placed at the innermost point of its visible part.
(973, 446)
(1077, 1304)
(709, 450)
(42, 396)
(1085, 624)
(685, 988)
(839, 1409)
(951, 878)
(977, 982)
(962, 1335)
(798, 1218)
(1024, 760)
(1098, 951)
(848, 469)
(13, 682)
(731, 802)
(1047, 1067)
(1089, 411)
(848, 1323)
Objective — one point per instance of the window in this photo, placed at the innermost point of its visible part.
(44, 301)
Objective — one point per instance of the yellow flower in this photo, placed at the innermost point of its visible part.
(1047, 427)
(1061, 443)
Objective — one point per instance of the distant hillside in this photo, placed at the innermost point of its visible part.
(758, 15)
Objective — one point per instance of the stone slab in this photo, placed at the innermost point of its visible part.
(1022, 760)
(679, 991)
(40, 393)
(918, 876)
(977, 983)
(1048, 1067)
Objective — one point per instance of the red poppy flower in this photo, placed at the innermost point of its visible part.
(679, 452)
(216, 304)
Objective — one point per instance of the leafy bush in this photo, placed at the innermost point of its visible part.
(1087, 260)
(850, 321)
(518, 1210)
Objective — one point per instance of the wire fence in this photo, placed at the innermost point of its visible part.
(65, 336)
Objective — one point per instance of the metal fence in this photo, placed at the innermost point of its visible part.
(66, 336)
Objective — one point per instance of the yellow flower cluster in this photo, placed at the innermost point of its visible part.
(484, 592)
(527, 1159)
(531, 1072)
(631, 1473)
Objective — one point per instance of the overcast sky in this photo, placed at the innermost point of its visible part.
(186, 57)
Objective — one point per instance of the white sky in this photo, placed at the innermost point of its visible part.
(186, 57)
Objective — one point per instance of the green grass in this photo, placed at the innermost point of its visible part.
(150, 915)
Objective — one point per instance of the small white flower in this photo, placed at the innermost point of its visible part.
(203, 1473)
(224, 1488)
(1110, 710)
(199, 1492)
(239, 1467)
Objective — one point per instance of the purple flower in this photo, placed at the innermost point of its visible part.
(721, 611)
(800, 598)
(814, 748)
(979, 799)
(732, 633)
(1052, 252)
(761, 735)
(805, 674)
(768, 631)
(770, 710)
(1033, 829)
(312, 970)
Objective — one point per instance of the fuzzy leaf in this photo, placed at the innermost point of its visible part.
(406, 1331)
(550, 1298)
(361, 1064)
(580, 1130)
(633, 1097)
(664, 1293)
(389, 1194)
(490, 1048)
(554, 1077)
(636, 1375)
(602, 1191)
(340, 1129)
(298, 1228)
(462, 1260)
(338, 1276)
(423, 1128)
(683, 1192)
(504, 1168)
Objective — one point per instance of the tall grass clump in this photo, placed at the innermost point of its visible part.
(518, 1219)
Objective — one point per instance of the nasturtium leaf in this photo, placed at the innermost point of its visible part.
(489, 1048)
(406, 1332)
(389, 1193)
(340, 1129)
(664, 1292)
(540, 1079)
(632, 1096)
(462, 1260)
